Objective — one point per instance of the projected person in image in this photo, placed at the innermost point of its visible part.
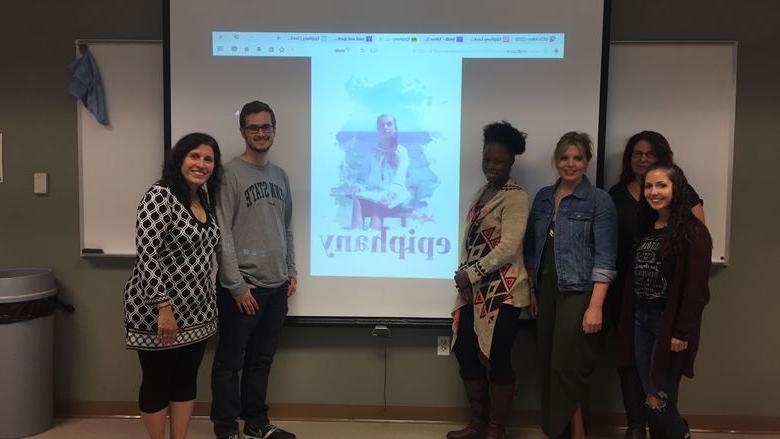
(170, 310)
(492, 286)
(667, 289)
(642, 150)
(256, 277)
(382, 190)
(570, 249)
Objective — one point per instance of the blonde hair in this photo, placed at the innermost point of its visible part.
(580, 140)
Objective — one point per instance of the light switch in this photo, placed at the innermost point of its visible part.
(40, 183)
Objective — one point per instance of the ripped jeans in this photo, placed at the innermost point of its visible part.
(666, 418)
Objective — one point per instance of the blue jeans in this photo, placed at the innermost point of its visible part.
(247, 344)
(666, 418)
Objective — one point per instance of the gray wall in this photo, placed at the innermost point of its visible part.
(737, 369)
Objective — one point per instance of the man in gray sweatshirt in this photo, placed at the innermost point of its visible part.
(256, 276)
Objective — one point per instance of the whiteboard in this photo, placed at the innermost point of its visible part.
(687, 92)
(118, 163)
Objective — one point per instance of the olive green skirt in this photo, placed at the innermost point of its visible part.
(567, 355)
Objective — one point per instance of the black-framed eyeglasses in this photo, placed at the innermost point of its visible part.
(638, 155)
(254, 129)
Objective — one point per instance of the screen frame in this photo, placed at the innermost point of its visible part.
(320, 321)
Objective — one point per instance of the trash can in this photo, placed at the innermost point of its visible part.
(26, 351)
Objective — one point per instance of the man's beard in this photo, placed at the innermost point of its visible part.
(258, 149)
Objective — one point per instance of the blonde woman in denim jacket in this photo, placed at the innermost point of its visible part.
(570, 248)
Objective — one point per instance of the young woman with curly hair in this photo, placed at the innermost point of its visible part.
(666, 291)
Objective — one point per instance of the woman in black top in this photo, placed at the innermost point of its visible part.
(643, 150)
(170, 306)
(667, 290)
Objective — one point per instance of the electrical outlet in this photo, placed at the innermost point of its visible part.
(443, 345)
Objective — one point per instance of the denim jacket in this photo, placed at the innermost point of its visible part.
(585, 236)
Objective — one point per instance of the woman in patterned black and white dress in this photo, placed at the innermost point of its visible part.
(170, 306)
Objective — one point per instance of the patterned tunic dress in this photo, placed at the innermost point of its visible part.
(173, 263)
(492, 255)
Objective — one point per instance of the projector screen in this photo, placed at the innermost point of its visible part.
(344, 74)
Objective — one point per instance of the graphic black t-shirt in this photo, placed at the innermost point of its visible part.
(653, 272)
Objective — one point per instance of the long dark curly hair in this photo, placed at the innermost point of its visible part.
(683, 226)
(660, 146)
(171, 174)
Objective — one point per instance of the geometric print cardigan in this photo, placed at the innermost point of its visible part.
(173, 262)
(492, 255)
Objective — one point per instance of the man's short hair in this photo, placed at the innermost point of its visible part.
(255, 107)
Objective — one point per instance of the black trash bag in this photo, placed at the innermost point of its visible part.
(24, 311)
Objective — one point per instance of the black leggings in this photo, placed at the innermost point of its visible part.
(169, 375)
(467, 347)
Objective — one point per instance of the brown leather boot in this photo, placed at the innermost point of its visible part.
(501, 396)
(479, 400)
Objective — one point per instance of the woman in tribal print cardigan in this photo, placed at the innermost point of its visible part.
(492, 287)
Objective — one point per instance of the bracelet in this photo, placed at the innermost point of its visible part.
(163, 306)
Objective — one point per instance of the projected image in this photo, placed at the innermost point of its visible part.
(385, 171)
(379, 178)
(385, 141)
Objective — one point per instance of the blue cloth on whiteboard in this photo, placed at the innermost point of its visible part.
(88, 87)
